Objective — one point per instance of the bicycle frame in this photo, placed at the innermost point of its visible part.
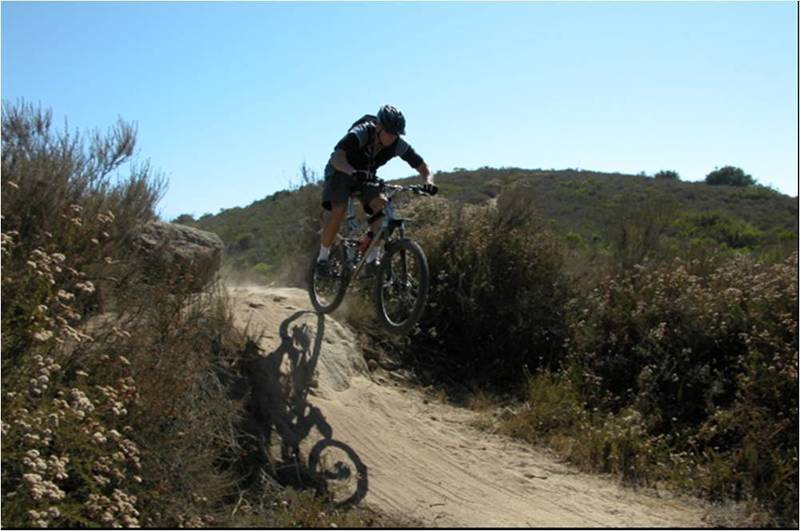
(390, 224)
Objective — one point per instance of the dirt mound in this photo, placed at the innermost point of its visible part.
(378, 442)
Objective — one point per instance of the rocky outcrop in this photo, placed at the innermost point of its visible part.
(188, 256)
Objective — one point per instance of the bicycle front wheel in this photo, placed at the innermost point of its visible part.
(401, 290)
(327, 289)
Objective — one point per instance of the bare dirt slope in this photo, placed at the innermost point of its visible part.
(381, 443)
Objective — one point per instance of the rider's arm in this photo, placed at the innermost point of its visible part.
(425, 173)
(407, 153)
(352, 142)
(339, 162)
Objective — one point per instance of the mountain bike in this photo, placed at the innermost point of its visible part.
(402, 277)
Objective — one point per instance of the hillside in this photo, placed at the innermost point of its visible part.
(590, 210)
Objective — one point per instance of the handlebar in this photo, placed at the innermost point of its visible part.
(417, 189)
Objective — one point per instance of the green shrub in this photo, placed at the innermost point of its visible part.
(757, 193)
(261, 269)
(498, 294)
(730, 176)
(575, 241)
(638, 229)
(184, 219)
(720, 228)
(667, 175)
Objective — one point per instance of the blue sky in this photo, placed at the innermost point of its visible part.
(231, 98)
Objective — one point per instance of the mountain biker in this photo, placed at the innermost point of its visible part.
(369, 144)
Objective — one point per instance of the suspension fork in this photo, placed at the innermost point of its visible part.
(399, 277)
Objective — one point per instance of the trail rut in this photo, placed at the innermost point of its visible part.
(386, 445)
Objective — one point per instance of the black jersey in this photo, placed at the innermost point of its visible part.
(363, 153)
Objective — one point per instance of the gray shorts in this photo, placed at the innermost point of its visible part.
(339, 186)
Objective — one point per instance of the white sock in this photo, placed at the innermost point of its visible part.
(323, 253)
(373, 254)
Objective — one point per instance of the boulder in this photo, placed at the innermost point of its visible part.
(185, 255)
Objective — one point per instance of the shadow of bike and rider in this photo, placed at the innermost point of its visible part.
(281, 416)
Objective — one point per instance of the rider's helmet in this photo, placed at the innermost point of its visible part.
(392, 120)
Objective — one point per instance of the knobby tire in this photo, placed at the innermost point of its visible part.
(337, 254)
(413, 252)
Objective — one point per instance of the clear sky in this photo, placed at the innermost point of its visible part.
(231, 98)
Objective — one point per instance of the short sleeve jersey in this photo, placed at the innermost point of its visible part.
(362, 153)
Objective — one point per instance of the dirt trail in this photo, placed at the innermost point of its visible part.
(386, 445)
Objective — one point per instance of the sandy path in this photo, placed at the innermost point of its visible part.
(406, 455)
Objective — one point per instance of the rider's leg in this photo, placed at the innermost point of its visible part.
(333, 219)
(376, 204)
(335, 193)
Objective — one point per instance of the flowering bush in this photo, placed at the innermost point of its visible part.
(115, 406)
(79, 447)
(707, 353)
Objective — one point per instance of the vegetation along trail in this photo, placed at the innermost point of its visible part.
(385, 444)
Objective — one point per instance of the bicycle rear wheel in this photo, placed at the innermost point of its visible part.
(327, 291)
(402, 286)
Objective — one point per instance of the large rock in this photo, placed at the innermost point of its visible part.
(179, 253)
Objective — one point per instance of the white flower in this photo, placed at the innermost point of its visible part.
(32, 438)
(65, 295)
(81, 401)
(43, 335)
(86, 287)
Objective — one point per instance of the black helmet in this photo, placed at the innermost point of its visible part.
(392, 120)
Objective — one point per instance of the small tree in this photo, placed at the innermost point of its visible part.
(184, 219)
(730, 176)
(667, 175)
